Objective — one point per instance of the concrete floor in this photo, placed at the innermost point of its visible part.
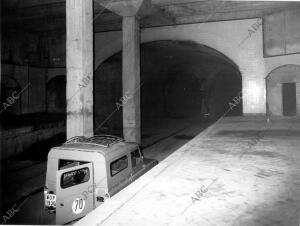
(24, 179)
(242, 171)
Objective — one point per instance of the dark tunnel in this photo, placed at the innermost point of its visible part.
(179, 79)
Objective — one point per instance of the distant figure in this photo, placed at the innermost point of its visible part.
(205, 98)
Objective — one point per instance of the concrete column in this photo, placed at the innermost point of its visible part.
(79, 67)
(131, 80)
(298, 98)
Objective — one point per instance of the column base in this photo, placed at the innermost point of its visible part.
(132, 134)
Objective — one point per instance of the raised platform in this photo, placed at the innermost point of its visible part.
(240, 171)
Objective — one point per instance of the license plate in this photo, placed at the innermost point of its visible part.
(50, 200)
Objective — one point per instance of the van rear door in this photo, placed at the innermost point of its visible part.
(75, 198)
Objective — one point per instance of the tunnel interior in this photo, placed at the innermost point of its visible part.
(180, 79)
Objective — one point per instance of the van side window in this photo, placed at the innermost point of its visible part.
(135, 155)
(118, 165)
(74, 177)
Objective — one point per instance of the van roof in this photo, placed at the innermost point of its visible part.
(103, 144)
(99, 140)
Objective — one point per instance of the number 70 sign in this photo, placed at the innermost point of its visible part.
(78, 205)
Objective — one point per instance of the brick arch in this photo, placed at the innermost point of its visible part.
(248, 57)
(288, 73)
(116, 46)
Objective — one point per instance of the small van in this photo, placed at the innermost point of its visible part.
(84, 172)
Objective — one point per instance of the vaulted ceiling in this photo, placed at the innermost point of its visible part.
(49, 15)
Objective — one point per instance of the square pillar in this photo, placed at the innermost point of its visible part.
(131, 80)
(298, 98)
(79, 15)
